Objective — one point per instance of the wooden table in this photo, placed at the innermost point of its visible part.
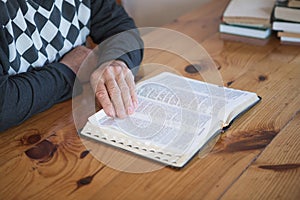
(258, 157)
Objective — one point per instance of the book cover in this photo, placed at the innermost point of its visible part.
(294, 3)
(255, 12)
(285, 26)
(287, 14)
(243, 39)
(261, 33)
(288, 34)
(289, 38)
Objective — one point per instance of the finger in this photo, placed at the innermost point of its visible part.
(116, 98)
(129, 78)
(126, 96)
(104, 100)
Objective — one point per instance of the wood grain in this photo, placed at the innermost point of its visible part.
(276, 172)
(44, 158)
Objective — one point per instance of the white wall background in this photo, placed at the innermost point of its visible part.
(158, 12)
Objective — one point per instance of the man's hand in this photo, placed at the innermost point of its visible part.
(114, 88)
(75, 58)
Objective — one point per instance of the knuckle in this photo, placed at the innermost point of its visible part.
(114, 91)
(101, 94)
(119, 78)
(107, 72)
(118, 69)
(125, 89)
(95, 76)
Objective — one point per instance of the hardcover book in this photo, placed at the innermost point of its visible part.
(261, 33)
(287, 14)
(285, 26)
(175, 118)
(244, 12)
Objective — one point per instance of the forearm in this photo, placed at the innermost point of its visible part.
(26, 94)
(109, 19)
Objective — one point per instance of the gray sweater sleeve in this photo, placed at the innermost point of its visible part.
(26, 94)
(127, 46)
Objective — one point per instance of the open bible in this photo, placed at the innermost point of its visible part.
(175, 118)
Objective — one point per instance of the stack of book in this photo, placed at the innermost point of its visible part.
(248, 18)
(287, 21)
